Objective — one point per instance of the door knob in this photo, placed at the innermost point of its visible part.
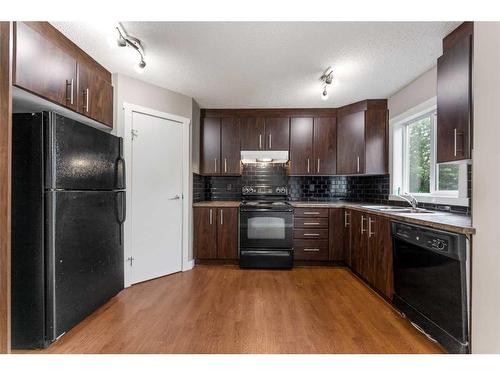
(176, 197)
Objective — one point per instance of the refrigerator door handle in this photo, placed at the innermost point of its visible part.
(120, 167)
(121, 206)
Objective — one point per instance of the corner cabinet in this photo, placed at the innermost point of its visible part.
(454, 96)
(215, 233)
(362, 138)
(220, 146)
(49, 65)
(313, 143)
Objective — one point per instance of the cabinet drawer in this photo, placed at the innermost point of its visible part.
(310, 250)
(312, 222)
(311, 234)
(311, 212)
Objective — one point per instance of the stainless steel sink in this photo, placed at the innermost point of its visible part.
(400, 210)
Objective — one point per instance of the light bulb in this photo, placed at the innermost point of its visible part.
(139, 68)
(324, 94)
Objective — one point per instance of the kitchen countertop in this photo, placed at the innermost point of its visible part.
(440, 220)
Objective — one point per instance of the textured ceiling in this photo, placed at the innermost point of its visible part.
(269, 64)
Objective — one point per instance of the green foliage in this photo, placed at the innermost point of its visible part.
(419, 149)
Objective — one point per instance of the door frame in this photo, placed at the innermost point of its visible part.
(129, 109)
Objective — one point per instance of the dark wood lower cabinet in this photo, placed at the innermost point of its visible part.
(215, 233)
(371, 250)
(336, 235)
(227, 233)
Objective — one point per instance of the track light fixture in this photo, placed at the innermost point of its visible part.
(125, 40)
(326, 80)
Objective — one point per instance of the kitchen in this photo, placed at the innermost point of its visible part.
(343, 220)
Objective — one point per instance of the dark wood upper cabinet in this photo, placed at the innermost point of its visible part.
(95, 95)
(205, 232)
(301, 146)
(210, 136)
(49, 65)
(325, 145)
(220, 146)
(43, 68)
(277, 134)
(227, 233)
(454, 99)
(362, 140)
(351, 143)
(230, 146)
(252, 131)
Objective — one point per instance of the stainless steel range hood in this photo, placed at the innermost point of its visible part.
(278, 157)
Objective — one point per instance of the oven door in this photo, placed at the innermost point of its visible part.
(266, 229)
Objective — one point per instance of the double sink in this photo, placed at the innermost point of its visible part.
(400, 210)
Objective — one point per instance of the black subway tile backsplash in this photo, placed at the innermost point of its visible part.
(373, 189)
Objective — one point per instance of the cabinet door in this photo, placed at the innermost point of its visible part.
(336, 236)
(210, 146)
(95, 96)
(205, 233)
(351, 143)
(454, 102)
(301, 146)
(380, 250)
(325, 145)
(252, 132)
(376, 150)
(227, 233)
(230, 146)
(278, 134)
(358, 242)
(347, 236)
(43, 68)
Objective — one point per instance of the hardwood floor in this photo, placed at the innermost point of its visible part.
(223, 309)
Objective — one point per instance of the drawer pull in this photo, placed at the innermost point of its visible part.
(311, 250)
(311, 213)
(311, 223)
(311, 234)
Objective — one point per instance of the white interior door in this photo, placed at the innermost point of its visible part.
(156, 204)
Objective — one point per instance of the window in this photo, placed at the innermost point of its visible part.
(414, 168)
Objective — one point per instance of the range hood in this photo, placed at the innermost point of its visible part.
(278, 157)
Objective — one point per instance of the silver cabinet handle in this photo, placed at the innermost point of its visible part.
(311, 223)
(221, 216)
(225, 165)
(176, 197)
(215, 165)
(311, 250)
(455, 142)
(311, 213)
(363, 230)
(370, 233)
(87, 94)
(307, 165)
(260, 141)
(270, 141)
(318, 164)
(346, 215)
(358, 164)
(71, 85)
(311, 234)
(210, 217)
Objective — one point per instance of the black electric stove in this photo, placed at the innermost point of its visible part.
(266, 228)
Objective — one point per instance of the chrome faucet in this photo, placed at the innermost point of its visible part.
(411, 200)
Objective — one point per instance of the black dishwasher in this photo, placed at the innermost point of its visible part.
(431, 283)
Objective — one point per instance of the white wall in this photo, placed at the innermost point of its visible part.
(134, 91)
(416, 92)
(485, 195)
(196, 137)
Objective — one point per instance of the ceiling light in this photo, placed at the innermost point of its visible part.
(326, 80)
(125, 40)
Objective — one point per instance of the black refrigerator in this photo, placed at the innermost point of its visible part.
(68, 210)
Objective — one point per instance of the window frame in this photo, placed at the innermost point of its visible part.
(399, 148)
